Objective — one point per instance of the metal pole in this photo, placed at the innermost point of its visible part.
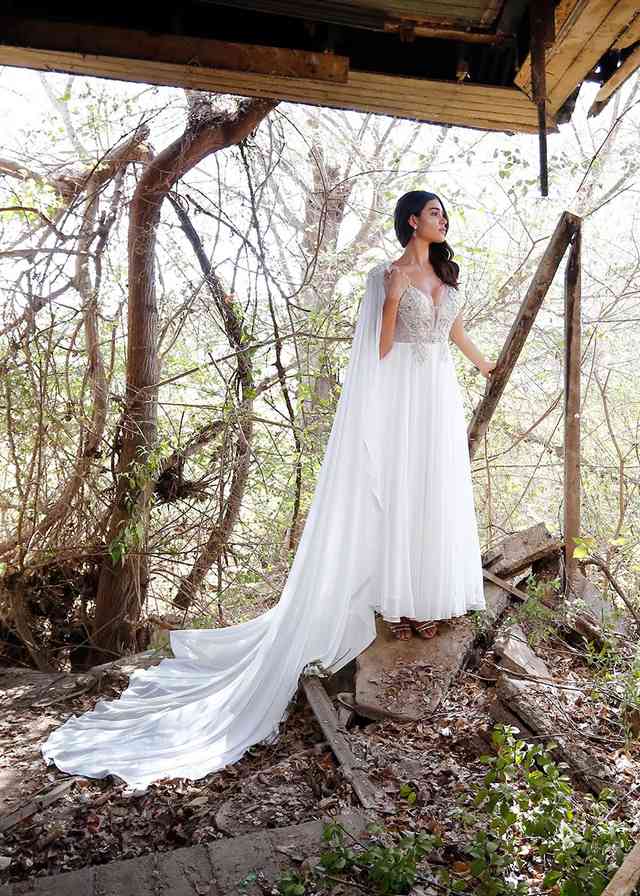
(572, 352)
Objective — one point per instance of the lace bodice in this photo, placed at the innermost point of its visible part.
(421, 322)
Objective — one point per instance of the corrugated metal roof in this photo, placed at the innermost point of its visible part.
(479, 13)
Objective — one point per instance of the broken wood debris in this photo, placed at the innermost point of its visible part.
(36, 804)
(337, 738)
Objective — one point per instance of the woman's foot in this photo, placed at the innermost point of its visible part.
(401, 631)
(425, 630)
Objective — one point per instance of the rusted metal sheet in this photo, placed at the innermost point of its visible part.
(373, 13)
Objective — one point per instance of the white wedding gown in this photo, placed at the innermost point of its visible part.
(391, 528)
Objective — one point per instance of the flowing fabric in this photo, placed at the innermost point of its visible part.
(368, 543)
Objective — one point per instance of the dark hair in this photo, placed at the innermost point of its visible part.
(440, 254)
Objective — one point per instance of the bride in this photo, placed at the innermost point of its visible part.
(391, 529)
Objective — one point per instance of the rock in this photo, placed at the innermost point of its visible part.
(515, 654)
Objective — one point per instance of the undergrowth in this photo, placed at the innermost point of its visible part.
(528, 833)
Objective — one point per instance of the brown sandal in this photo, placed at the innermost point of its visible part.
(425, 630)
(401, 631)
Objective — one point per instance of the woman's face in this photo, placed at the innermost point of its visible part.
(431, 223)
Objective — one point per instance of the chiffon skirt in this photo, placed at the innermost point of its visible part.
(391, 527)
(429, 565)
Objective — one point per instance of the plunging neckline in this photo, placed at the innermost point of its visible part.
(423, 293)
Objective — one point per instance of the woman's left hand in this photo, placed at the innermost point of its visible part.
(487, 368)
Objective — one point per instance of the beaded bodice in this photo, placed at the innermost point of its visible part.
(421, 321)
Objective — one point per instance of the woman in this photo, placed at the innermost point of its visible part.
(430, 567)
(390, 528)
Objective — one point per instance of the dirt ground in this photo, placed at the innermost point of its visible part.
(296, 779)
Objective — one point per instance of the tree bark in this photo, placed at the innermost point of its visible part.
(123, 577)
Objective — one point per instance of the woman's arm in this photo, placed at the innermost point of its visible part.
(461, 338)
(395, 284)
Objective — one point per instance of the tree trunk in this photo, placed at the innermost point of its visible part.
(123, 577)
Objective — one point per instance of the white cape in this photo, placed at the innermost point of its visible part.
(229, 688)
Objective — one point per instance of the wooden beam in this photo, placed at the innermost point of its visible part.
(37, 804)
(440, 102)
(521, 327)
(120, 43)
(585, 30)
(617, 79)
(630, 35)
(528, 700)
(572, 357)
(336, 738)
(519, 551)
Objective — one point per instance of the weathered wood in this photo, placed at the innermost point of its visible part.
(617, 79)
(521, 327)
(36, 804)
(630, 35)
(627, 877)
(323, 710)
(583, 47)
(520, 550)
(502, 583)
(418, 99)
(572, 360)
(108, 41)
(585, 29)
(525, 699)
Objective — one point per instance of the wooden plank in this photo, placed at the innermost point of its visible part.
(365, 91)
(585, 29)
(327, 718)
(630, 35)
(516, 657)
(564, 79)
(446, 102)
(539, 14)
(502, 583)
(572, 360)
(434, 32)
(627, 877)
(562, 12)
(143, 45)
(36, 805)
(617, 79)
(521, 328)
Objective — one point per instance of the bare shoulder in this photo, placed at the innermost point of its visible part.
(395, 277)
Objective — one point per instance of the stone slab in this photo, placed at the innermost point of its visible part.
(407, 679)
(239, 866)
(516, 656)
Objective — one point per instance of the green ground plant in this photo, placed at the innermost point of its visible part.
(526, 819)
(528, 831)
